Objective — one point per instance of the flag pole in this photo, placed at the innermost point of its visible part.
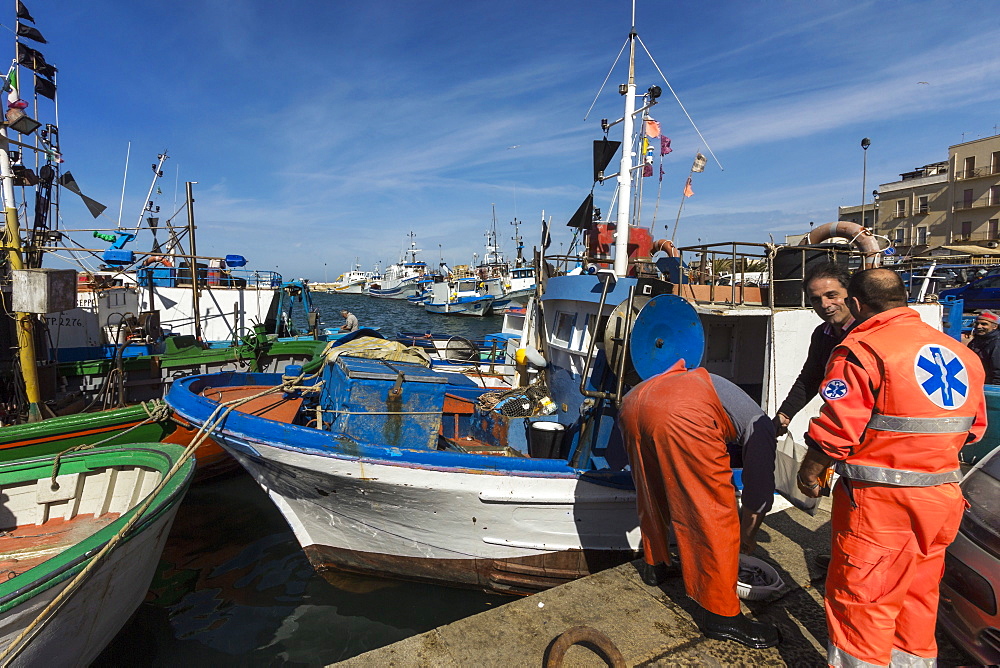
(697, 166)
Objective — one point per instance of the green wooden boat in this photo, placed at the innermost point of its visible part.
(52, 533)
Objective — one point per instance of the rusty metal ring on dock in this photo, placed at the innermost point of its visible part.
(584, 634)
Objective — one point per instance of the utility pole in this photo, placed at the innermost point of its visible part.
(23, 322)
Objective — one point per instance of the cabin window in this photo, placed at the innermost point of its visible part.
(564, 327)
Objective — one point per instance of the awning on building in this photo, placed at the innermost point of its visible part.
(962, 250)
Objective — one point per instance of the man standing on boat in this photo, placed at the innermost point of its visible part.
(350, 322)
(900, 400)
(986, 344)
(826, 289)
(677, 427)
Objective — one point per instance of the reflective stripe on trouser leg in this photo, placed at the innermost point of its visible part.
(881, 590)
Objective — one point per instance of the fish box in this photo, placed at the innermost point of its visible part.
(163, 277)
(383, 403)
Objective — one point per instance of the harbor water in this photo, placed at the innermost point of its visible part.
(234, 588)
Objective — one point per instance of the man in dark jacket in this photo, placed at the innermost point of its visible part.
(986, 344)
(826, 288)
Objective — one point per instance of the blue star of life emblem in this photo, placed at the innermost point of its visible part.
(835, 389)
(941, 376)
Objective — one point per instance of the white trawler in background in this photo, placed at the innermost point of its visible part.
(400, 280)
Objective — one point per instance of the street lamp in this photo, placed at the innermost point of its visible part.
(865, 143)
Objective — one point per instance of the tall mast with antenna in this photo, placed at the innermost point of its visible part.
(625, 170)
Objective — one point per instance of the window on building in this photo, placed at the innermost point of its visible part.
(970, 167)
(921, 236)
(900, 208)
(967, 198)
(993, 229)
(900, 235)
(923, 206)
(995, 163)
(966, 229)
(994, 195)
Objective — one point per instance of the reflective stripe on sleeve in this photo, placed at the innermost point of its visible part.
(912, 425)
(895, 476)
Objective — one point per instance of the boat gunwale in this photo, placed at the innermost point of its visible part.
(70, 561)
(188, 403)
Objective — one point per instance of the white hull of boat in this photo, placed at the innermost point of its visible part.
(352, 289)
(500, 532)
(98, 610)
(478, 307)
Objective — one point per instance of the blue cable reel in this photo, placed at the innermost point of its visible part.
(667, 328)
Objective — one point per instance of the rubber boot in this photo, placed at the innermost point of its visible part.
(739, 629)
(656, 575)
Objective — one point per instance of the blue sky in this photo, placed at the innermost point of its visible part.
(322, 131)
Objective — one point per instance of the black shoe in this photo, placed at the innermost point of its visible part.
(740, 629)
(656, 575)
(822, 561)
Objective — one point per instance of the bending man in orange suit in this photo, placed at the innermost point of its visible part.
(676, 427)
(900, 401)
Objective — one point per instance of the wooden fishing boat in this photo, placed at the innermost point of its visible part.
(393, 469)
(53, 531)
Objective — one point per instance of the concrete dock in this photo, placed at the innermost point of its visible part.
(649, 625)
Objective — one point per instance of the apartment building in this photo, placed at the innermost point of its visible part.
(952, 203)
(975, 192)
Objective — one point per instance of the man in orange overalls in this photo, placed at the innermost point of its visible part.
(900, 401)
(676, 427)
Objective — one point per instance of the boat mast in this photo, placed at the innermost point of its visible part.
(625, 170)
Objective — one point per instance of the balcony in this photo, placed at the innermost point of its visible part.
(977, 173)
(976, 236)
(981, 203)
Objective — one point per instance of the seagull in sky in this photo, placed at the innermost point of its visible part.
(514, 146)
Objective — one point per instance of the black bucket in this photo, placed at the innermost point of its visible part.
(545, 440)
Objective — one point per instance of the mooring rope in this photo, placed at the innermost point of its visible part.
(18, 644)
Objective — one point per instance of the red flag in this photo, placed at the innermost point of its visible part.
(647, 170)
(665, 145)
(687, 188)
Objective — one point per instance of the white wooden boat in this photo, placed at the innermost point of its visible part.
(52, 532)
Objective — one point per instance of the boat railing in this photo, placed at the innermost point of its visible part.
(210, 277)
(732, 273)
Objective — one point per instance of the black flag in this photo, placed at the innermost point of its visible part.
(45, 87)
(69, 183)
(604, 150)
(584, 216)
(30, 33)
(34, 60)
(22, 12)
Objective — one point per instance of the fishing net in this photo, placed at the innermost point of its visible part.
(515, 402)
